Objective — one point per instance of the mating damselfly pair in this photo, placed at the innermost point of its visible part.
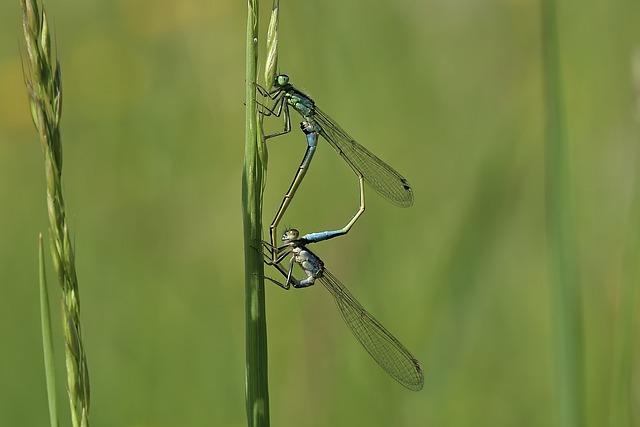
(385, 349)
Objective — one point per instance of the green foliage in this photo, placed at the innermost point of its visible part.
(44, 85)
(47, 340)
(271, 62)
(257, 384)
(449, 93)
(566, 293)
(621, 398)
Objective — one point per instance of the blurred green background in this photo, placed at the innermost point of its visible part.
(448, 92)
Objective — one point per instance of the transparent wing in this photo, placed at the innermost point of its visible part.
(382, 177)
(385, 349)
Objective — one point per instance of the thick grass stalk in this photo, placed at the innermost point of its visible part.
(257, 386)
(566, 295)
(47, 339)
(44, 84)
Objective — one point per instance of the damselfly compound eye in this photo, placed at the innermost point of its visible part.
(282, 80)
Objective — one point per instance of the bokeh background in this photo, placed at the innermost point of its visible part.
(448, 92)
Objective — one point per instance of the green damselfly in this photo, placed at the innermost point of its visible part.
(366, 165)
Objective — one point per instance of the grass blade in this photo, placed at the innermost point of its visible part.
(566, 296)
(257, 386)
(47, 339)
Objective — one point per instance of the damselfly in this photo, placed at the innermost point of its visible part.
(367, 166)
(383, 347)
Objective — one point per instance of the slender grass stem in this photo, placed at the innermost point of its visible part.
(567, 310)
(257, 386)
(44, 84)
(47, 339)
(621, 402)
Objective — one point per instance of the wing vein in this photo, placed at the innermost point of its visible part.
(382, 177)
(383, 347)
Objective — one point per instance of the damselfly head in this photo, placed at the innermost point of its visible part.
(290, 234)
(281, 80)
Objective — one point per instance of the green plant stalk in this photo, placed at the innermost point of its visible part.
(44, 85)
(620, 401)
(566, 296)
(47, 339)
(257, 386)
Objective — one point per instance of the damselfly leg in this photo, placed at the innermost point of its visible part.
(288, 274)
(268, 94)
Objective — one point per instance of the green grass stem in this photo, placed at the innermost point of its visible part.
(621, 402)
(565, 293)
(257, 385)
(621, 396)
(44, 84)
(47, 339)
